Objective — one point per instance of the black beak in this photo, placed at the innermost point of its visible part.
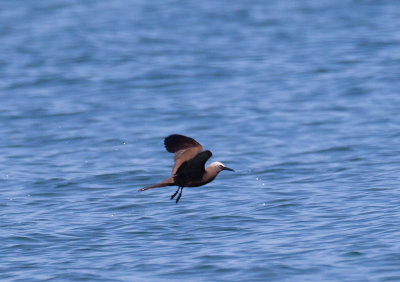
(227, 168)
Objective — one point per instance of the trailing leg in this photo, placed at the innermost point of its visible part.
(173, 196)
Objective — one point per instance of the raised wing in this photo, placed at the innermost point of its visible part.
(192, 169)
(177, 142)
(185, 148)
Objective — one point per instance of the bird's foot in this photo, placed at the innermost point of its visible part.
(173, 196)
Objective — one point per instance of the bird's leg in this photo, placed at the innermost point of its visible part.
(173, 196)
(179, 196)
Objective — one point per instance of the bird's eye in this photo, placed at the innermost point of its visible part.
(221, 166)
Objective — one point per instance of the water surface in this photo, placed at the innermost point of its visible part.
(301, 98)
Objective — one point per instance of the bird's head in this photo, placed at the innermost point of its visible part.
(219, 167)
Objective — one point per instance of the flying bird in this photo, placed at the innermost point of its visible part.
(189, 165)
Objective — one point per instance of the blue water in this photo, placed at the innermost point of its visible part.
(301, 98)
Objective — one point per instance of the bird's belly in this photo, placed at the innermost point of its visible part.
(198, 183)
(194, 184)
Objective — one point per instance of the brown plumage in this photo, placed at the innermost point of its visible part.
(189, 162)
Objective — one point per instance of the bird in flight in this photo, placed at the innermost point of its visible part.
(189, 165)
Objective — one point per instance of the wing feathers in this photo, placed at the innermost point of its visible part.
(177, 142)
(192, 169)
(185, 148)
(184, 155)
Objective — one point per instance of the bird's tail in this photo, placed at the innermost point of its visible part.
(167, 182)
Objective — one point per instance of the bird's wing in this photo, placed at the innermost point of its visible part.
(193, 169)
(185, 148)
